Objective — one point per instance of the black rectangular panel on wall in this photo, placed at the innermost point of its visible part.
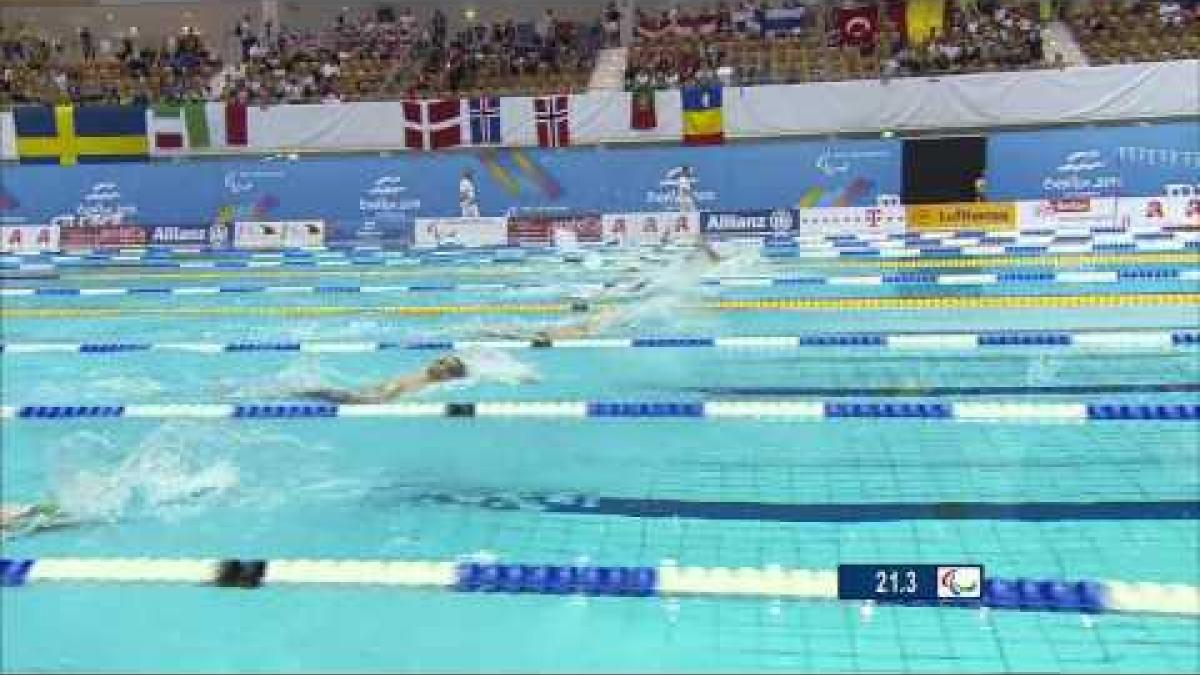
(943, 169)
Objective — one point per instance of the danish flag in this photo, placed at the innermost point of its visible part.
(430, 125)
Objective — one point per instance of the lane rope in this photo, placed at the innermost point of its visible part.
(928, 409)
(471, 268)
(666, 580)
(796, 304)
(1080, 277)
(1152, 339)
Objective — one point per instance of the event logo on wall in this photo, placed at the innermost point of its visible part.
(241, 182)
(241, 185)
(677, 190)
(1082, 173)
(833, 163)
(384, 205)
(100, 205)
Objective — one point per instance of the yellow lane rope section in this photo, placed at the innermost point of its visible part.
(1072, 260)
(986, 302)
(1066, 260)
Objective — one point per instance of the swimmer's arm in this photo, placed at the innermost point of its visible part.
(399, 386)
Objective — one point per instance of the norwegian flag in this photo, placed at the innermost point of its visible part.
(485, 120)
(553, 121)
(430, 125)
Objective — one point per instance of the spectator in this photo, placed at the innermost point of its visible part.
(612, 25)
(85, 44)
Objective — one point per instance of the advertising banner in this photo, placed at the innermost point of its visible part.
(464, 232)
(851, 220)
(757, 223)
(651, 229)
(304, 234)
(28, 239)
(985, 216)
(1160, 212)
(548, 229)
(101, 236)
(185, 235)
(258, 235)
(1068, 214)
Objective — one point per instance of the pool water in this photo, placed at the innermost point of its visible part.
(1071, 500)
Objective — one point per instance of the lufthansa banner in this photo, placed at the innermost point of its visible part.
(651, 229)
(28, 239)
(460, 232)
(986, 216)
(758, 223)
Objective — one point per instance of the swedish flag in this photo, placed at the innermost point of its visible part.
(703, 120)
(68, 135)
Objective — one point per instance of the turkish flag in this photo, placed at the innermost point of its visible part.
(858, 26)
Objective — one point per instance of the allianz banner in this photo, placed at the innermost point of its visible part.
(185, 235)
(461, 232)
(651, 229)
(28, 239)
(985, 216)
(756, 223)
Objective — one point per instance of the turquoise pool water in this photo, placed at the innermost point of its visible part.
(441, 489)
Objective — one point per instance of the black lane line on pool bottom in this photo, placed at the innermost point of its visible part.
(1182, 509)
(1156, 388)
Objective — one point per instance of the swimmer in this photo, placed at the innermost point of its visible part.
(17, 519)
(442, 369)
(602, 319)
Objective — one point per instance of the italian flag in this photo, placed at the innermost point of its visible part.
(193, 126)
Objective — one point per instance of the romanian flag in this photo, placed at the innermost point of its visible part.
(68, 135)
(703, 123)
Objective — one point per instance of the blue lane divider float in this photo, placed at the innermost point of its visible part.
(926, 409)
(909, 278)
(1157, 339)
(1033, 236)
(666, 580)
(967, 246)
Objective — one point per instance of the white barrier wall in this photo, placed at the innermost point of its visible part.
(304, 234)
(258, 235)
(465, 232)
(651, 229)
(1068, 215)
(28, 239)
(850, 220)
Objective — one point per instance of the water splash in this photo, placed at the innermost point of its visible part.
(496, 366)
(1042, 370)
(93, 480)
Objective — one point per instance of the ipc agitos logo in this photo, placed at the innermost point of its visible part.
(959, 582)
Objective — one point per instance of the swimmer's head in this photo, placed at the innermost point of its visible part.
(446, 368)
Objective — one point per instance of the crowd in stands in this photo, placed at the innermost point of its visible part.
(377, 55)
(755, 43)
(1137, 31)
(36, 69)
(386, 54)
(394, 56)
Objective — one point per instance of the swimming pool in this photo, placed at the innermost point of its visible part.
(842, 383)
